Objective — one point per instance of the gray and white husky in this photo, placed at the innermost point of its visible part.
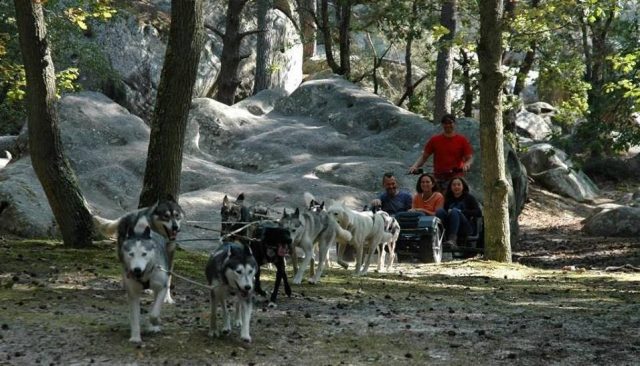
(143, 255)
(311, 228)
(230, 272)
(164, 217)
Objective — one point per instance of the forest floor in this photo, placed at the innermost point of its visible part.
(558, 303)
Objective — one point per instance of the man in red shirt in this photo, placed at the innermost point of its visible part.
(452, 153)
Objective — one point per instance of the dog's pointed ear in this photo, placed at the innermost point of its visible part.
(297, 212)
(240, 198)
(147, 233)
(284, 213)
(247, 250)
(322, 206)
(225, 201)
(130, 232)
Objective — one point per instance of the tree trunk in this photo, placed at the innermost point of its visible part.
(408, 72)
(47, 156)
(465, 64)
(326, 34)
(444, 63)
(525, 67)
(495, 185)
(345, 38)
(307, 11)
(169, 122)
(527, 63)
(262, 79)
(228, 79)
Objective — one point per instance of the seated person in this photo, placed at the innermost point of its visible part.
(428, 200)
(392, 200)
(459, 207)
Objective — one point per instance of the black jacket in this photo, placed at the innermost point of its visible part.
(466, 203)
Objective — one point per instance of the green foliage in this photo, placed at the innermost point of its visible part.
(85, 10)
(628, 82)
(67, 24)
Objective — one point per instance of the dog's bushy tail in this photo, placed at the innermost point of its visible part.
(106, 227)
(342, 235)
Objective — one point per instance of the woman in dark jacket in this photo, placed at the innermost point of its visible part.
(459, 207)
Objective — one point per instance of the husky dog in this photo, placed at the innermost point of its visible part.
(312, 204)
(367, 233)
(234, 215)
(230, 272)
(143, 255)
(392, 227)
(273, 245)
(164, 217)
(308, 229)
(269, 241)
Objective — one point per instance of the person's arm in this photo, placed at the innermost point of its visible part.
(415, 203)
(439, 203)
(377, 202)
(421, 160)
(468, 156)
(467, 161)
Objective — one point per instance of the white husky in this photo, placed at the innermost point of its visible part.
(367, 231)
(392, 227)
(143, 255)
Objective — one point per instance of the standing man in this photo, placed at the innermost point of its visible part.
(452, 152)
(392, 200)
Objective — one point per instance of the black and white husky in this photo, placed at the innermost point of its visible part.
(230, 272)
(164, 218)
(143, 255)
(269, 241)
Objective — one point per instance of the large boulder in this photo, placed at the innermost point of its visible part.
(135, 48)
(616, 221)
(553, 170)
(328, 137)
(533, 126)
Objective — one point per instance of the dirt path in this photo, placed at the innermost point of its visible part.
(63, 306)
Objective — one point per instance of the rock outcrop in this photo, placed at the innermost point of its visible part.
(328, 137)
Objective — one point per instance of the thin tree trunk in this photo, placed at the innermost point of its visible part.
(586, 48)
(409, 85)
(326, 34)
(495, 185)
(345, 39)
(228, 79)
(262, 80)
(527, 63)
(408, 71)
(444, 63)
(465, 64)
(413, 86)
(47, 156)
(307, 11)
(164, 157)
(525, 67)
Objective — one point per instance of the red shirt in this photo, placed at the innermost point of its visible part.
(448, 154)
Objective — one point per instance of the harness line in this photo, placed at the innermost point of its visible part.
(187, 279)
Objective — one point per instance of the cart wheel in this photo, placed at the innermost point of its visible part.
(431, 248)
